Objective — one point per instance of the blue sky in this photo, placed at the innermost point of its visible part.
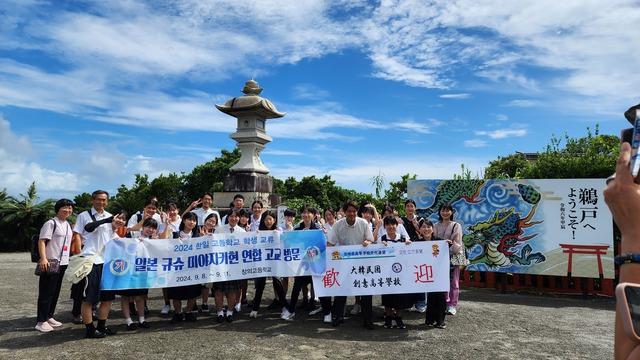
(92, 93)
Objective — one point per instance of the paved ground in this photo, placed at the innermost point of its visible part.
(489, 325)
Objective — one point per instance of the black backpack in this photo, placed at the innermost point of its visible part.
(35, 253)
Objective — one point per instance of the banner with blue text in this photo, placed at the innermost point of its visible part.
(377, 269)
(143, 264)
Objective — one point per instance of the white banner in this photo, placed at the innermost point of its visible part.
(398, 268)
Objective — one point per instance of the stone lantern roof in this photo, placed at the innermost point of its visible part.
(251, 102)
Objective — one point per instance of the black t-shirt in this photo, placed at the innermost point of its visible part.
(411, 230)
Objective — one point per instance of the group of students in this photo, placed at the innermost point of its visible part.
(350, 225)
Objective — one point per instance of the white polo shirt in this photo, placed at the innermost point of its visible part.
(202, 214)
(93, 242)
(226, 228)
(133, 220)
(344, 234)
(400, 230)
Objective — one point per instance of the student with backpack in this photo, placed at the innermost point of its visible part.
(53, 244)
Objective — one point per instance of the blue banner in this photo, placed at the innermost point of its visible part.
(158, 263)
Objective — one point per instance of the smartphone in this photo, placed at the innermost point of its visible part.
(634, 164)
(628, 296)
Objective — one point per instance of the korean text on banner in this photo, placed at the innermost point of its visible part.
(377, 269)
(140, 264)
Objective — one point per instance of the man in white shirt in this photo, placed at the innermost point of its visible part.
(94, 243)
(351, 230)
(238, 204)
(205, 210)
(134, 225)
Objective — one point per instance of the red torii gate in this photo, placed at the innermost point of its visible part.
(597, 250)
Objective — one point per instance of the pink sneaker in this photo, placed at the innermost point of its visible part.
(54, 323)
(44, 327)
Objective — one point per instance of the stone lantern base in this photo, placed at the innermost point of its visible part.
(251, 186)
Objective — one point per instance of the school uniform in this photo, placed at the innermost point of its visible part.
(203, 214)
(136, 218)
(186, 292)
(397, 301)
(436, 303)
(229, 285)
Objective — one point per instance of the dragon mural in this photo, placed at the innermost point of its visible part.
(450, 191)
(499, 237)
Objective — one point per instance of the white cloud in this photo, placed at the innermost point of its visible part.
(17, 171)
(475, 143)
(309, 92)
(502, 117)
(455, 96)
(503, 133)
(522, 103)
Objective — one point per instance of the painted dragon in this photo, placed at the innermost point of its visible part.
(500, 235)
(450, 191)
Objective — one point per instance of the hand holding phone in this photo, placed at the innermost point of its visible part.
(628, 304)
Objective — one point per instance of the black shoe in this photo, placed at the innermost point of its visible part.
(311, 305)
(108, 331)
(369, 326)
(388, 322)
(399, 323)
(144, 325)
(146, 310)
(78, 320)
(132, 309)
(430, 323)
(177, 318)
(132, 327)
(220, 319)
(204, 308)
(337, 321)
(95, 334)
(441, 326)
(191, 316)
(229, 318)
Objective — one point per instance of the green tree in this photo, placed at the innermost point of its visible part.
(591, 156)
(396, 194)
(83, 202)
(169, 188)
(133, 199)
(210, 175)
(21, 218)
(377, 182)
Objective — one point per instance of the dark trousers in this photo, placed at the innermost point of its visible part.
(366, 306)
(298, 283)
(76, 296)
(436, 307)
(48, 292)
(278, 289)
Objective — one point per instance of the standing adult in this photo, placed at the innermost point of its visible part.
(436, 305)
(411, 224)
(228, 288)
(204, 210)
(168, 228)
(94, 243)
(448, 229)
(351, 230)
(54, 245)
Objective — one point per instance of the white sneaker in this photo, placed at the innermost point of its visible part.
(327, 319)
(253, 314)
(451, 310)
(356, 309)
(286, 315)
(54, 323)
(315, 311)
(238, 307)
(421, 309)
(165, 310)
(44, 327)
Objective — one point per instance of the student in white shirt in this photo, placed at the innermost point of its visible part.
(134, 225)
(236, 204)
(257, 209)
(54, 243)
(228, 289)
(202, 212)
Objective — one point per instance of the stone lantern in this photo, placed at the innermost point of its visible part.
(249, 176)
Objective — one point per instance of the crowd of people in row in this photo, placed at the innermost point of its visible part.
(353, 224)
